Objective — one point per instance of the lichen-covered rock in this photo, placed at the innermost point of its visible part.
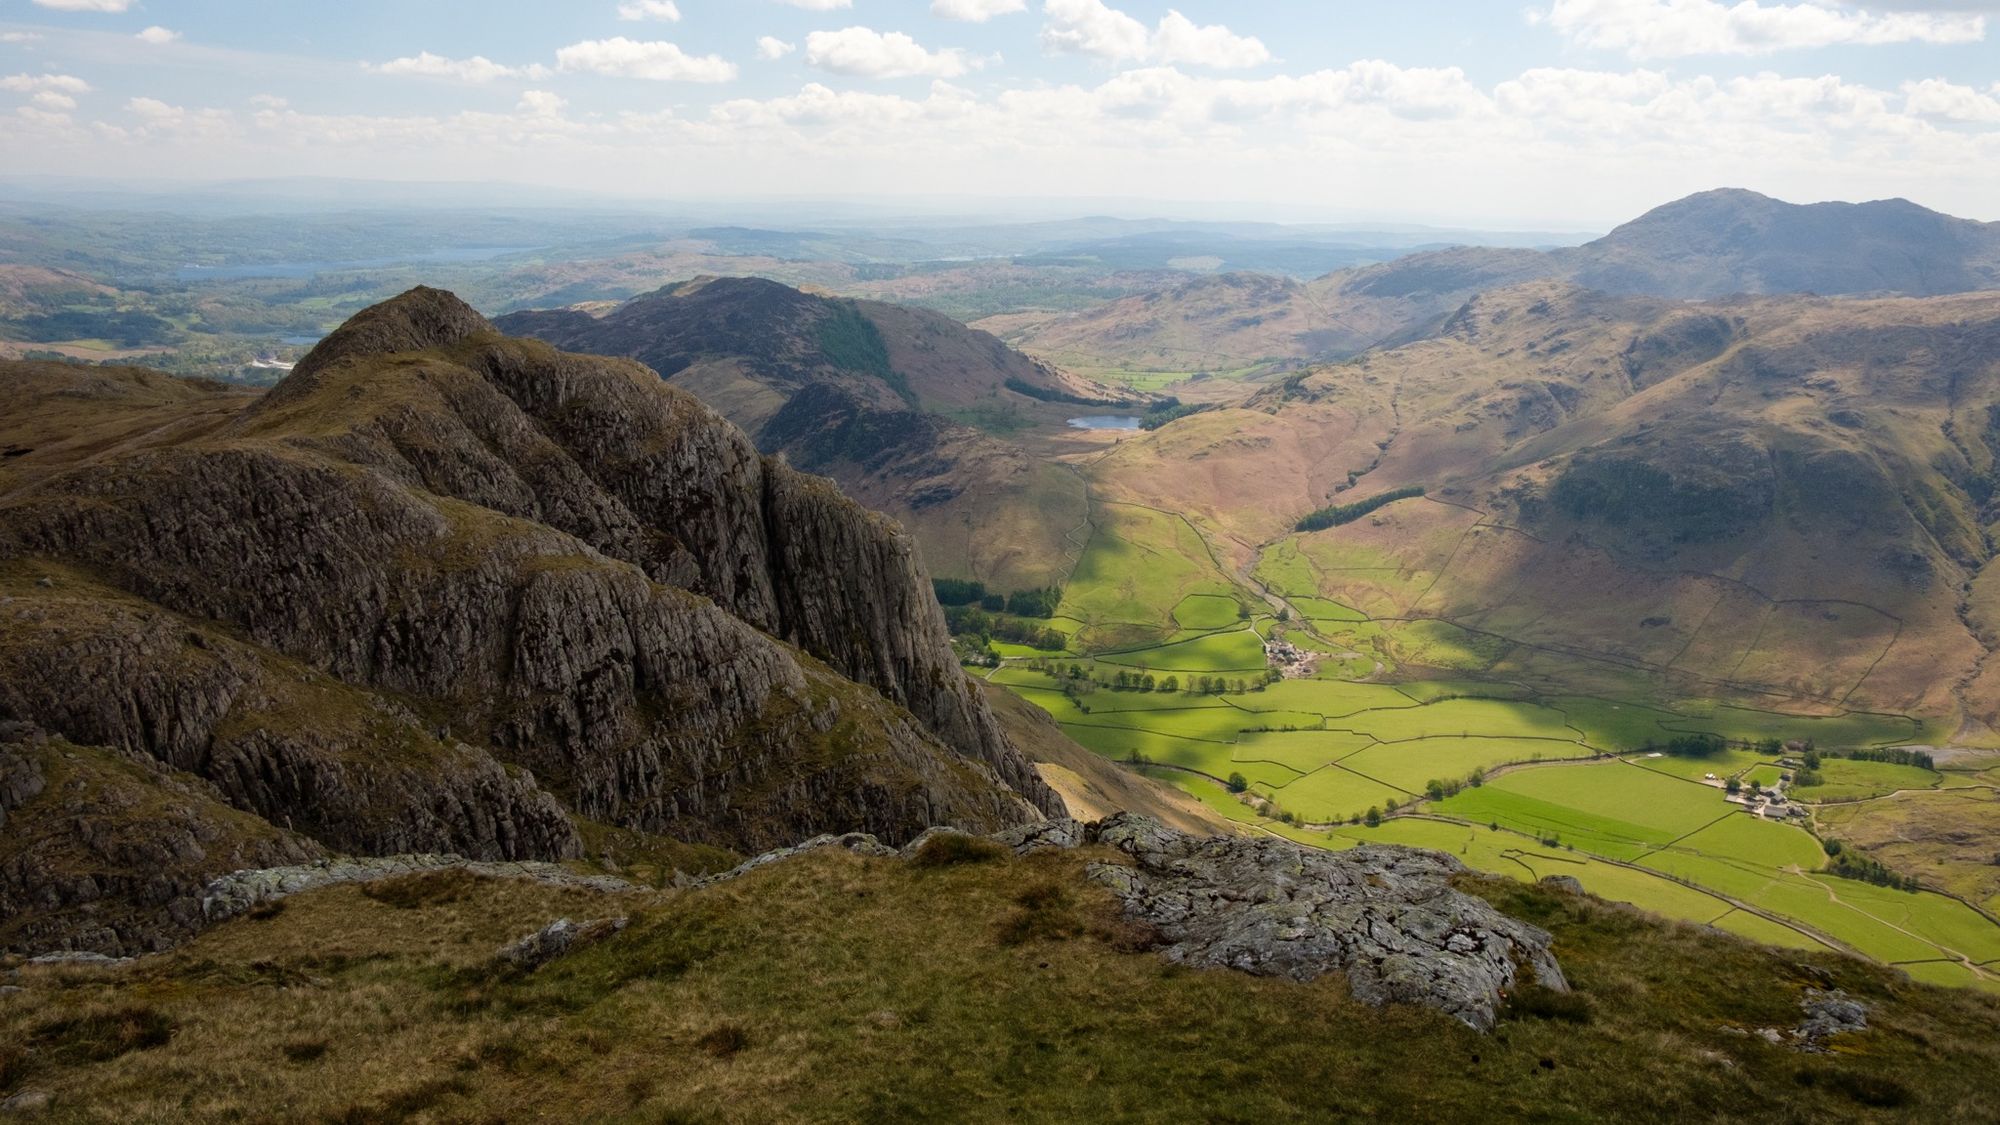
(557, 939)
(1385, 916)
(860, 843)
(1062, 833)
(240, 891)
(1827, 1013)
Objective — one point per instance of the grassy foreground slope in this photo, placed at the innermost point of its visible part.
(837, 988)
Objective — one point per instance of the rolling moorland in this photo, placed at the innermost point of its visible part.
(237, 282)
(1712, 245)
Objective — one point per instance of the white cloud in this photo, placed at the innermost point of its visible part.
(649, 10)
(864, 53)
(32, 83)
(815, 107)
(478, 68)
(1089, 27)
(155, 110)
(1580, 147)
(1946, 101)
(50, 100)
(86, 5)
(541, 103)
(1677, 28)
(18, 37)
(158, 35)
(1179, 40)
(658, 61)
(819, 5)
(771, 48)
(269, 101)
(976, 11)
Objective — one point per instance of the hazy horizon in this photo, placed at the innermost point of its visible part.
(1561, 115)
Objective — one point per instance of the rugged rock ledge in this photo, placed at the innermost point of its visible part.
(242, 891)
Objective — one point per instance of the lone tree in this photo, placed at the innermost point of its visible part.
(1372, 818)
(1238, 783)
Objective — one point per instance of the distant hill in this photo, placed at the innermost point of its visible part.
(1731, 241)
(888, 400)
(1783, 495)
(1710, 245)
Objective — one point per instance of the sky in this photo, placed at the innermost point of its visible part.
(1548, 114)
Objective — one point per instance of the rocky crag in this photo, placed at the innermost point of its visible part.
(445, 591)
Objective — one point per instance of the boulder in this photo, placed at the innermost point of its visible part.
(557, 939)
(1386, 916)
(860, 843)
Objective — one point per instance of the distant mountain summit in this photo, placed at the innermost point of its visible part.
(1730, 241)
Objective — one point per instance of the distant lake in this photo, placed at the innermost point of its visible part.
(307, 269)
(1106, 422)
(299, 341)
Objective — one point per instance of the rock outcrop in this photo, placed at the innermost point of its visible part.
(105, 852)
(1386, 916)
(242, 891)
(442, 591)
(557, 939)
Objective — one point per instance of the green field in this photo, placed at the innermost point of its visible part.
(1464, 718)
(1139, 566)
(1207, 612)
(1842, 779)
(1303, 751)
(1509, 854)
(1412, 764)
(1240, 651)
(1852, 730)
(1325, 610)
(1332, 794)
(1609, 808)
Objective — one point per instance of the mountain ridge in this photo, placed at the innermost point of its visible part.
(1707, 246)
(446, 591)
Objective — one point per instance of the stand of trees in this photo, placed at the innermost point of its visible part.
(1172, 411)
(973, 621)
(1894, 756)
(1339, 514)
(1850, 864)
(1695, 745)
(958, 592)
